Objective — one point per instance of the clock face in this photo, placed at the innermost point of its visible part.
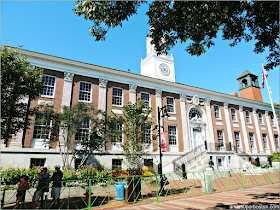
(164, 69)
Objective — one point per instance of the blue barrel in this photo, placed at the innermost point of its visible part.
(120, 190)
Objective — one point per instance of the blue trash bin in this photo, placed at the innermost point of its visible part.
(120, 190)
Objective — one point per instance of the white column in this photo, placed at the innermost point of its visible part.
(67, 89)
(184, 122)
(159, 103)
(258, 130)
(271, 137)
(132, 93)
(102, 94)
(210, 124)
(228, 123)
(244, 130)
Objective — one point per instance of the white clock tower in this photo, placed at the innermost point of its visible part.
(160, 67)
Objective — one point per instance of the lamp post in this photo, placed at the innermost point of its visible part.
(165, 114)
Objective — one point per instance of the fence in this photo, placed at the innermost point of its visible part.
(96, 193)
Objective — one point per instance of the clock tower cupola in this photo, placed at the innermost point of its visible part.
(160, 67)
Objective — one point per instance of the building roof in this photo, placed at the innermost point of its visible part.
(245, 73)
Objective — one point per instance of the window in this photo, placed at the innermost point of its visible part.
(147, 136)
(41, 129)
(83, 131)
(148, 163)
(145, 97)
(273, 120)
(233, 115)
(276, 141)
(116, 164)
(170, 105)
(85, 92)
(117, 96)
(117, 133)
(237, 139)
(49, 85)
(252, 140)
(172, 135)
(244, 83)
(261, 118)
(265, 141)
(217, 111)
(194, 113)
(220, 138)
(36, 162)
(248, 118)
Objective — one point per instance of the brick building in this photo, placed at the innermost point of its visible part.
(233, 127)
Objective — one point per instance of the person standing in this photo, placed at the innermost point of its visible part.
(41, 188)
(211, 163)
(23, 186)
(56, 188)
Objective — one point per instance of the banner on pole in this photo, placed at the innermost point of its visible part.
(163, 142)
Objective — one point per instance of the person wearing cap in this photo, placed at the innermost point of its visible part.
(42, 186)
(56, 187)
(23, 186)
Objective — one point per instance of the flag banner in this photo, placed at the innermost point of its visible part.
(264, 75)
(163, 142)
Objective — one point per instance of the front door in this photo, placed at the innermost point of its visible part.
(220, 163)
(197, 137)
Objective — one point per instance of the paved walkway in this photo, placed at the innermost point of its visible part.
(263, 196)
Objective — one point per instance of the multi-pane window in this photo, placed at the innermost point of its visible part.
(49, 84)
(217, 111)
(237, 139)
(85, 91)
(116, 164)
(252, 140)
(118, 133)
(117, 96)
(41, 128)
(145, 97)
(265, 141)
(35, 162)
(248, 118)
(147, 136)
(83, 131)
(172, 135)
(233, 115)
(220, 138)
(276, 141)
(261, 118)
(194, 113)
(170, 105)
(273, 120)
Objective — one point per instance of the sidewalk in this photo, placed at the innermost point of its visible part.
(263, 197)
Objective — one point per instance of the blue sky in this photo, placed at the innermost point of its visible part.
(51, 27)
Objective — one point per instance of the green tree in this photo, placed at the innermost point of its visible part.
(18, 82)
(137, 130)
(194, 22)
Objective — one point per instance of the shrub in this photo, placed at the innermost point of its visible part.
(274, 156)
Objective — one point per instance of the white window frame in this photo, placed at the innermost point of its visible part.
(265, 143)
(219, 112)
(34, 124)
(252, 140)
(146, 146)
(234, 120)
(261, 118)
(84, 128)
(169, 135)
(174, 111)
(273, 121)
(240, 145)
(223, 138)
(115, 145)
(117, 96)
(47, 96)
(248, 118)
(85, 91)
(145, 100)
(120, 160)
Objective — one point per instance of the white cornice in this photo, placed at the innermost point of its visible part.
(91, 70)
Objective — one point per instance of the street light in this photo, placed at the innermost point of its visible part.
(165, 114)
